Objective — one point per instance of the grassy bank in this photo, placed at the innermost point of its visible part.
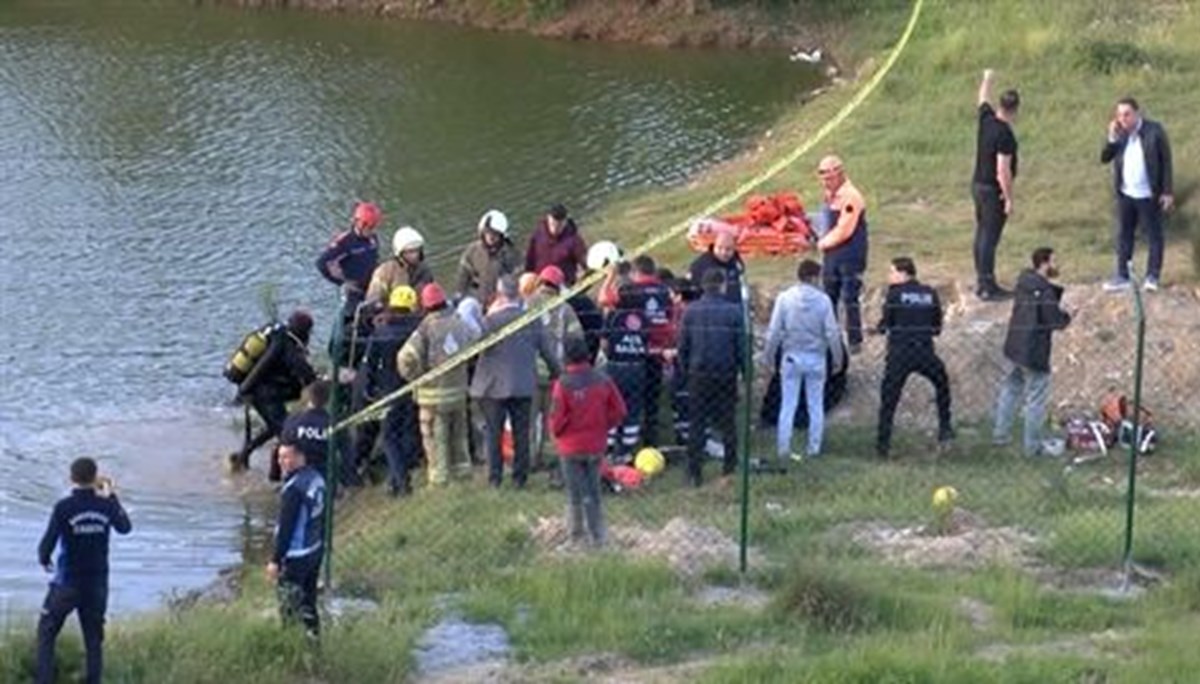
(818, 605)
(911, 147)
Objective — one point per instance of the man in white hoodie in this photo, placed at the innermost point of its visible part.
(803, 325)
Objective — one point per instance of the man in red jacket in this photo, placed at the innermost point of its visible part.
(585, 405)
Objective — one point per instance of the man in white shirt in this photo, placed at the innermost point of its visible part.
(1142, 179)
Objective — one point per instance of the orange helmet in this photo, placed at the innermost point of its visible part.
(367, 214)
(432, 296)
(552, 275)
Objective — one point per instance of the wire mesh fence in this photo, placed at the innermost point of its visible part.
(695, 473)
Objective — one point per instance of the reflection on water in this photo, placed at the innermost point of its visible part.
(164, 166)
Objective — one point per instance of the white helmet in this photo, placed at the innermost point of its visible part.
(494, 219)
(602, 254)
(406, 238)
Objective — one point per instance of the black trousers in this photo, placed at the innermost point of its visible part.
(902, 363)
(651, 399)
(273, 413)
(401, 442)
(989, 225)
(517, 410)
(89, 600)
(1130, 213)
(712, 400)
(297, 591)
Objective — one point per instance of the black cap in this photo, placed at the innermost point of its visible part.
(558, 212)
(300, 323)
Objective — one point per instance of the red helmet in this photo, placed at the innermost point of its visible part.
(432, 296)
(552, 275)
(367, 214)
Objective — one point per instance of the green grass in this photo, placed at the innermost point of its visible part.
(910, 148)
(835, 612)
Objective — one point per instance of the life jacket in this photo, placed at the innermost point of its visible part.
(252, 348)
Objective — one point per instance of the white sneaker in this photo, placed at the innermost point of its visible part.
(1151, 285)
(1117, 285)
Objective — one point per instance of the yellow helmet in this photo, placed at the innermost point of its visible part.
(649, 461)
(402, 297)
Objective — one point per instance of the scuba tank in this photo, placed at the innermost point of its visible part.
(248, 353)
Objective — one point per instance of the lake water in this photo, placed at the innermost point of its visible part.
(165, 168)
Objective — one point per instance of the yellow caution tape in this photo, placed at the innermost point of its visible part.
(379, 407)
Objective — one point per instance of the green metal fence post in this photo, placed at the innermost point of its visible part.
(1135, 437)
(744, 432)
(332, 453)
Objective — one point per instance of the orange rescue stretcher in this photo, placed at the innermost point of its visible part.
(770, 225)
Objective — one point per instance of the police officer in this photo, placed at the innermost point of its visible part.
(79, 528)
(299, 540)
(912, 317)
(308, 429)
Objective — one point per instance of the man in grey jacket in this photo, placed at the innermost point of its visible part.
(804, 327)
(506, 378)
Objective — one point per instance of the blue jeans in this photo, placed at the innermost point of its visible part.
(1034, 387)
(805, 368)
(582, 477)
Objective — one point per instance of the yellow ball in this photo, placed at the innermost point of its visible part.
(944, 498)
(649, 461)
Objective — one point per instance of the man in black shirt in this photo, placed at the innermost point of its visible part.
(992, 190)
(79, 529)
(912, 317)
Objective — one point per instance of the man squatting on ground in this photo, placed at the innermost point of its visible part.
(912, 317)
(79, 529)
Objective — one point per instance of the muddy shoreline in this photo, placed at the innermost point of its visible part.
(659, 23)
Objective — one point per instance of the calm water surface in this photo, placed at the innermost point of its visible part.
(164, 169)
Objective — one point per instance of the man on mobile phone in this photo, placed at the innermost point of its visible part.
(79, 529)
(1142, 179)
